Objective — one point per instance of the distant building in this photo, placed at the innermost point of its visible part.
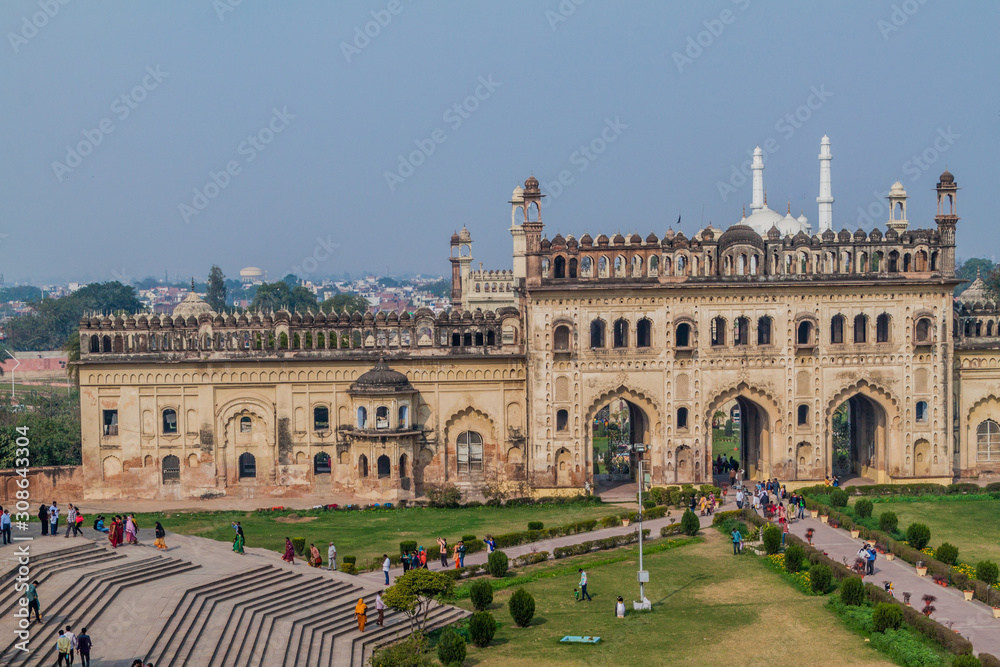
(252, 275)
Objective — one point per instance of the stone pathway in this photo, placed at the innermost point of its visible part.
(973, 620)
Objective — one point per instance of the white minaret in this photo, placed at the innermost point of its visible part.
(517, 232)
(758, 180)
(825, 199)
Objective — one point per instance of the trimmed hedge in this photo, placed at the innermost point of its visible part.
(947, 553)
(598, 545)
(481, 594)
(820, 578)
(852, 591)
(887, 616)
(794, 555)
(522, 607)
(888, 521)
(986, 571)
(497, 564)
(482, 627)
(949, 639)
(451, 648)
(690, 523)
(918, 535)
(863, 508)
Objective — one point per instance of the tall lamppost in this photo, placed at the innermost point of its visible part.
(643, 575)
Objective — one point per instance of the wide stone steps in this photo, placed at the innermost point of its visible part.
(83, 603)
(363, 644)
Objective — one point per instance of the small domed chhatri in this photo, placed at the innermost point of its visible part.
(382, 380)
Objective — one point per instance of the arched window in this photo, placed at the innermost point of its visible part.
(384, 466)
(837, 329)
(106, 344)
(620, 266)
(381, 417)
(562, 420)
(988, 441)
(602, 267)
(572, 268)
(362, 466)
(586, 267)
(636, 266)
(560, 338)
(597, 334)
(559, 267)
(321, 418)
(247, 466)
(621, 333)
(171, 469)
(246, 425)
(362, 418)
(682, 265)
(404, 416)
(764, 330)
(95, 344)
(545, 268)
(402, 465)
(741, 265)
(643, 333)
(654, 266)
(893, 263)
(804, 333)
(860, 328)
(169, 421)
(921, 411)
(882, 328)
(682, 337)
(321, 464)
(470, 452)
(803, 415)
(682, 418)
(741, 331)
(753, 265)
(718, 331)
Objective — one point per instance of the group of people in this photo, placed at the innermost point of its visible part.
(125, 530)
(706, 504)
(48, 516)
(865, 562)
(68, 644)
(361, 611)
(831, 481)
(721, 465)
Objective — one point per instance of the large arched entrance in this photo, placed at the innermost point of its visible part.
(859, 430)
(741, 428)
(615, 428)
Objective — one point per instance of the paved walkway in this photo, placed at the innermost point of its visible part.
(973, 620)
(549, 545)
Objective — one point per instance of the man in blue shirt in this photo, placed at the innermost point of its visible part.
(584, 595)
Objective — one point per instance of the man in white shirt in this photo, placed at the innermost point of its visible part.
(53, 519)
(380, 607)
(331, 557)
(70, 519)
(386, 564)
(72, 642)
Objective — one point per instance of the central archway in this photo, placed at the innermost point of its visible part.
(756, 414)
(616, 421)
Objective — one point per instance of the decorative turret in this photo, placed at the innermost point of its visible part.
(897, 208)
(947, 219)
(825, 199)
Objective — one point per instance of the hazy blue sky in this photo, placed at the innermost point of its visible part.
(682, 90)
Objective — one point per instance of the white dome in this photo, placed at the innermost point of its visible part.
(763, 220)
(518, 194)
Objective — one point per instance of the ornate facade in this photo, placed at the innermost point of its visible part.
(788, 327)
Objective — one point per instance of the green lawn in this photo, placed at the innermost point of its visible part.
(709, 608)
(725, 446)
(971, 525)
(369, 534)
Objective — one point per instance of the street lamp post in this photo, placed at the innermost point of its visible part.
(643, 575)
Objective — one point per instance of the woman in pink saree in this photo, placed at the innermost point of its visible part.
(289, 556)
(131, 530)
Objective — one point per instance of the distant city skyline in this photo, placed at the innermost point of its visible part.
(359, 136)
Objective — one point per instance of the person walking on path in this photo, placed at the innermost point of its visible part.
(870, 561)
(443, 548)
(454, 554)
(386, 564)
(584, 595)
(131, 530)
(239, 540)
(380, 608)
(737, 541)
(70, 520)
(63, 645)
(84, 645)
(160, 535)
(491, 544)
(72, 642)
(5, 526)
(361, 614)
(331, 557)
(53, 519)
(43, 518)
(32, 595)
(289, 555)
(315, 560)
(461, 553)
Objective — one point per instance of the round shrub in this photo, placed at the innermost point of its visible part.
(690, 523)
(299, 544)
(794, 555)
(772, 539)
(888, 522)
(481, 594)
(887, 616)
(451, 648)
(986, 571)
(852, 591)
(535, 525)
(820, 577)
(966, 661)
(482, 627)
(522, 607)
(947, 553)
(497, 564)
(918, 535)
(838, 498)
(863, 508)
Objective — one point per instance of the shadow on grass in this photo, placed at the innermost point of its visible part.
(678, 590)
(538, 620)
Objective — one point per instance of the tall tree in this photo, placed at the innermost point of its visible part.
(274, 296)
(346, 301)
(216, 292)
